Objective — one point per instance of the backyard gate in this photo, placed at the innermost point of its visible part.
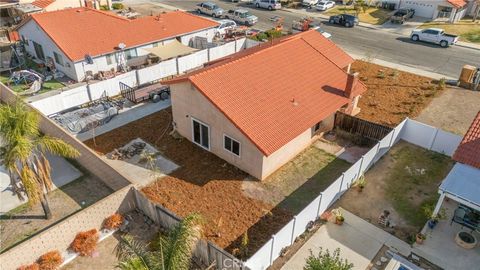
(364, 128)
(222, 259)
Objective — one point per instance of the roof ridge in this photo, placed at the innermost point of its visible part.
(243, 57)
(108, 14)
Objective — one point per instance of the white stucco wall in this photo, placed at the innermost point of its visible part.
(187, 102)
(63, 4)
(32, 32)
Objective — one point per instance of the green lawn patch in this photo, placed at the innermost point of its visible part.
(47, 86)
(413, 181)
(372, 15)
(467, 30)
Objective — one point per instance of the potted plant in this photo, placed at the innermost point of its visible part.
(361, 183)
(420, 237)
(433, 219)
(339, 219)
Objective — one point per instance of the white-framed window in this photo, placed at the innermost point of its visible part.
(200, 133)
(58, 59)
(110, 59)
(131, 53)
(231, 145)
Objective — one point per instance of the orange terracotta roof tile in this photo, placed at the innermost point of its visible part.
(42, 3)
(468, 152)
(457, 3)
(277, 91)
(81, 31)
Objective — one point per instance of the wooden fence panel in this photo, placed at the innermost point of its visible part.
(364, 128)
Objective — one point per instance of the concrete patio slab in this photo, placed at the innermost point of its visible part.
(440, 247)
(62, 174)
(129, 113)
(141, 173)
(358, 241)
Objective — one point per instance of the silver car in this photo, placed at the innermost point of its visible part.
(268, 4)
(210, 8)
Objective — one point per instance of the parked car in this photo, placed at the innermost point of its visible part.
(434, 35)
(309, 3)
(210, 8)
(402, 15)
(324, 5)
(344, 19)
(268, 4)
(224, 26)
(242, 16)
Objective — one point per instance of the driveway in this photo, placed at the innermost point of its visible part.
(403, 29)
(358, 241)
(454, 110)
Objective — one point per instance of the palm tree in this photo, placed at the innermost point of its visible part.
(173, 252)
(22, 152)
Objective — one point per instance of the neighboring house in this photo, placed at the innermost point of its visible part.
(261, 107)
(84, 40)
(451, 10)
(462, 184)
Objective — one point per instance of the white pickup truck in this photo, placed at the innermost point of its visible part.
(434, 35)
(242, 16)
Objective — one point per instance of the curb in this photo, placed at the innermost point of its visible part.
(468, 46)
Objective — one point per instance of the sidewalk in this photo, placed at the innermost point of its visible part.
(399, 29)
(405, 68)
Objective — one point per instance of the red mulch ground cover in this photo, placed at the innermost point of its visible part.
(204, 183)
(393, 95)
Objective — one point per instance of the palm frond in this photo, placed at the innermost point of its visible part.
(31, 184)
(181, 241)
(56, 147)
(132, 252)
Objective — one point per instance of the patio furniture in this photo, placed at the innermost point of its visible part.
(466, 217)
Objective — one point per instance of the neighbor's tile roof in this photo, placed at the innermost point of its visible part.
(457, 3)
(275, 92)
(468, 152)
(81, 31)
(42, 3)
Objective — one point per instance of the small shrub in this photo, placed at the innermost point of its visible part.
(394, 73)
(85, 243)
(381, 74)
(442, 84)
(244, 245)
(33, 266)
(104, 7)
(113, 222)
(118, 6)
(50, 260)
(326, 260)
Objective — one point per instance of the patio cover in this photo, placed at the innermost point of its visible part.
(463, 185)
(171, 50)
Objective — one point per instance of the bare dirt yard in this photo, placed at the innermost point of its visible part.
(403, 182)
(453, 110)
(393, 95)
(23, 221)
(231, 202)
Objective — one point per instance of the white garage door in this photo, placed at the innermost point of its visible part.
(422, 8)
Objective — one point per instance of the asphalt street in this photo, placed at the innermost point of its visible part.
(365, 42)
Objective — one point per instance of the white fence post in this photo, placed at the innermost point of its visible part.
(391, 139)
(341, 181)
(271, 250)
(433, 139)
(293, 230)
(360, 168)
(319, 205)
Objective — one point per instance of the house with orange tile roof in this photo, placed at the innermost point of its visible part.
(79, 41)
(462, 184)
(52, 5)
(259, 108)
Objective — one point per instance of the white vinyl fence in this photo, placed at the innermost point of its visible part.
(90, 92)
(409, 130)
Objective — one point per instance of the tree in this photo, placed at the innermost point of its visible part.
(327, 261)
(360, 5)
(22, 152)
(173, 251)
